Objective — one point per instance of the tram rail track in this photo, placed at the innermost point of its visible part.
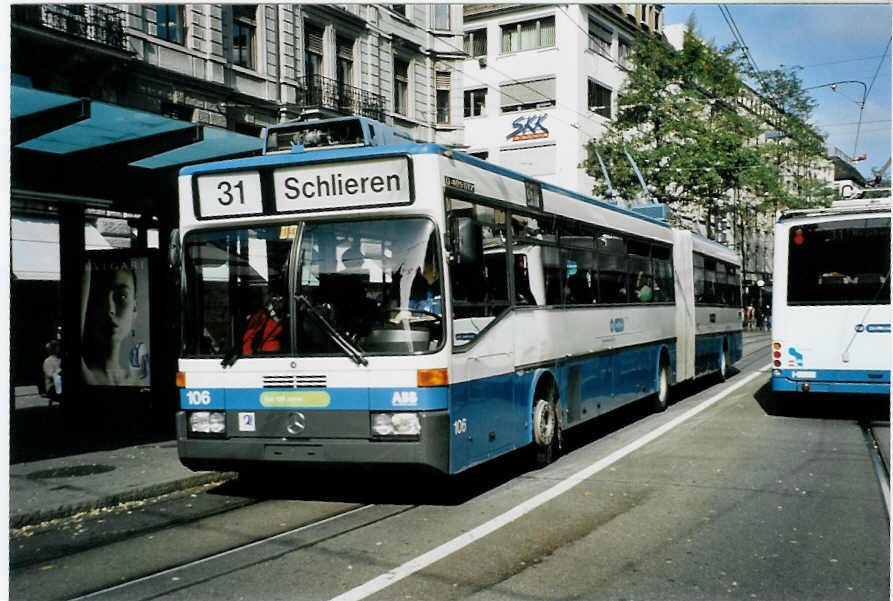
(881, 469)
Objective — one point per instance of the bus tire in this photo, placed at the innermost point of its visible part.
(546, 425)
(662, 396)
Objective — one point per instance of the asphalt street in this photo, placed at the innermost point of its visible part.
(736, 498)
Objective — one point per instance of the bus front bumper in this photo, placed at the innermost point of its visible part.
(431, 450)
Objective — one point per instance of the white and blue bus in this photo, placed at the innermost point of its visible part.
(831, 299)
(317, 327)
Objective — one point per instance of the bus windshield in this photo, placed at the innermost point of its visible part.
(839, 262)
(374, 284)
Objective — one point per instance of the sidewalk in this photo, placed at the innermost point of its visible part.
(56, 474)
(60, 487)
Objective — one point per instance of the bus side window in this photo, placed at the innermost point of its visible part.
(698, 262)
(612, 285)
(662, 263)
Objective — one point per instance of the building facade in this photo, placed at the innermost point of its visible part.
(540, 81)
(232, 67)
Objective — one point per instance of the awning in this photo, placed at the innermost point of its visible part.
(217, 144)
(35, 247)
(113, 125)
(62, 145)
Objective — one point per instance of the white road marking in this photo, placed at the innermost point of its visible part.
(463, 540)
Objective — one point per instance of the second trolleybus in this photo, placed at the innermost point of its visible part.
(410, 305)
(831, 301)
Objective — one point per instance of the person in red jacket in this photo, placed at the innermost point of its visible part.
(264, 329)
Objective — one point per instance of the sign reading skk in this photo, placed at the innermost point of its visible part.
(529, 128)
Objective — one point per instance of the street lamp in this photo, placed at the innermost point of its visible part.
(833, 85)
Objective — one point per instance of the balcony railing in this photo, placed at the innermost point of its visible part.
(98, 23)
(316, 91)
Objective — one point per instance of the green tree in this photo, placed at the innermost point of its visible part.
(680, 118)
(794, 148)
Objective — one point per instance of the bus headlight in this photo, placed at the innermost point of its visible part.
(396, 424)
(207, 422)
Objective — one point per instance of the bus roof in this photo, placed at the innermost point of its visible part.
(365, 152)
(840, 207)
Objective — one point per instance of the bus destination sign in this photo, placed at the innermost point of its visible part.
(229, 194)
(342, 185)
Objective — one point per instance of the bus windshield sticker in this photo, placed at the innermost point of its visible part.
(342, 185)
(229, 194)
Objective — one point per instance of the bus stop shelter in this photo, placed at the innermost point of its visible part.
(69, 158)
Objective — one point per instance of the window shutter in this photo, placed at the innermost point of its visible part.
(314, 39)
(542, 90)
(442, 80)
(344, 50)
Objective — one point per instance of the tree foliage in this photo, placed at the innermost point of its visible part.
(680, 118)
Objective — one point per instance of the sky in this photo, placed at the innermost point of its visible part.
(833, 43)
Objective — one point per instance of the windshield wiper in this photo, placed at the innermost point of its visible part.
(232, 355)
(336, 336)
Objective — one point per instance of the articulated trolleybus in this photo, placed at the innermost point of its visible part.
(346, 302)
(831, 299)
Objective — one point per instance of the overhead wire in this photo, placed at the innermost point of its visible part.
(736, 34)
(867, 92)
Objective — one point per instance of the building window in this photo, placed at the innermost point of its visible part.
(401, 86)
(600, 38)
(244, 32)
(527, 95)
(483, 155)
(400, 9)
(476, 102)
(528, 35)
(442, 81)
(180, 112)
(442, 16)
(344, 72)
(170, 21)
(475, 43)
(624, 52)
(599, 99)
(312, 50)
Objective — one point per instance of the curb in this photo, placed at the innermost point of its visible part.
(31, 518)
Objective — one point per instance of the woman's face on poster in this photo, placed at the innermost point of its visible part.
(119, 304)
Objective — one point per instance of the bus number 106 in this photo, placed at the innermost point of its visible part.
(198, 397)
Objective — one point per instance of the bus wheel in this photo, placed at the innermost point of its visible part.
(546, 428)
(662, 396)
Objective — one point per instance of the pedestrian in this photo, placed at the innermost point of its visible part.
(52, 371)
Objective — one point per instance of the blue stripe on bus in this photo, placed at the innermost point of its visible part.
(709, 346)
(492, 415)
(854, 381)
(261, 399)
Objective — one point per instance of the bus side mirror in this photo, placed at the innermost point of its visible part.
(174, 249)
(468, 244)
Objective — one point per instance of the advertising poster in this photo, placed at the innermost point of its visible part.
(115, 320)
